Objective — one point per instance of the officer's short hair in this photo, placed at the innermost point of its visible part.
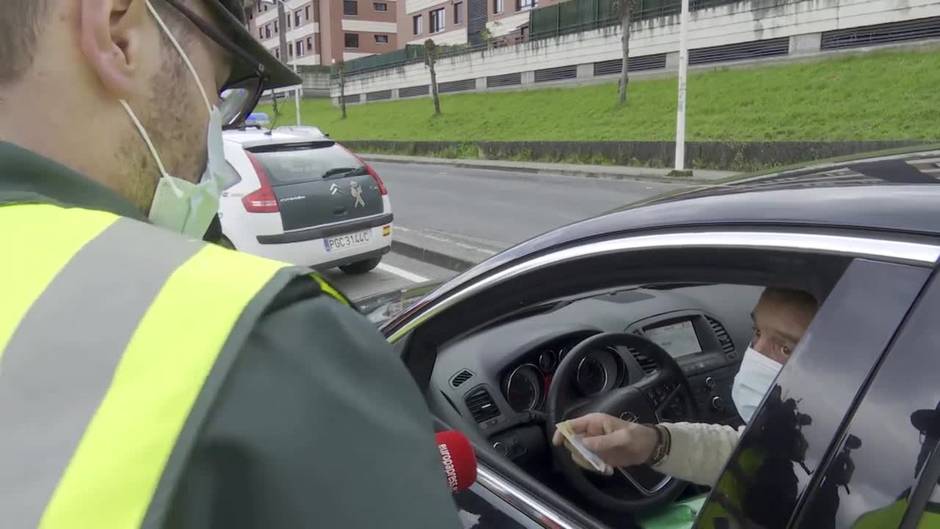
(20, 24)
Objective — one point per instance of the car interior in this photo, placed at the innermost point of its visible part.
(511, 364)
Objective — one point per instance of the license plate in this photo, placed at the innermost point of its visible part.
(350, 240)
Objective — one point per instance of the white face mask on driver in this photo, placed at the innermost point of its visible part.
(178, 204)
(753, 381)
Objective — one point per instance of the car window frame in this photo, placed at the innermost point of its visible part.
(399, 331)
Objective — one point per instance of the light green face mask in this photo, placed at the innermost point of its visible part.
(178, 204)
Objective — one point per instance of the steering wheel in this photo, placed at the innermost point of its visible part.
(643, 401)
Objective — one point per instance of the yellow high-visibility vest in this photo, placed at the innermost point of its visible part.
(114, 337)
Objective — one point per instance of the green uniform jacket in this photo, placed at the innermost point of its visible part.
(314, 422)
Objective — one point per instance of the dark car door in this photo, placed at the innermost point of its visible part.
(889, 448)
(778, 461)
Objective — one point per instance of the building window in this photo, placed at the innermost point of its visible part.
(381, 39)
(261, 33)
(380, 6)
(300, 48)
(437, 20)
(309, 43)
(352, 40)
(267, 31)
(288, 22)
(350, 8)
(497, 6)
(417, 25)
(275, 27)
(297, 19)
(277, 53)
(458, 13)
(307, 13)
(525, 4)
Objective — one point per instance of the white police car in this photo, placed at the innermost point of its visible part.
(304, 199)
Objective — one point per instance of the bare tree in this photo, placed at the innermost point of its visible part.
(431, 52)
(625, 8)
(340, 68)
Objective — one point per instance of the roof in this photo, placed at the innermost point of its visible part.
(921, 166)
(253, 137)
(896, 194)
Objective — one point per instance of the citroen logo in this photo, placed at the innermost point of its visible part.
(629, 417)
(334, 189)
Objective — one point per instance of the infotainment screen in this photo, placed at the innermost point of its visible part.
(678, 339)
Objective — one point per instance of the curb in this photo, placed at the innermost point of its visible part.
(439, 259)
(556, 172)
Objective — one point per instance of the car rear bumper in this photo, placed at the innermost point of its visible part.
(328, 230)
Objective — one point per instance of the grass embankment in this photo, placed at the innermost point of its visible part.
(878, 96)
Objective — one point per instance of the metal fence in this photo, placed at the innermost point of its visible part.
(572, 16)
(576, 16)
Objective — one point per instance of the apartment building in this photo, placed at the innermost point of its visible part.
(322, 32)
(464, 21)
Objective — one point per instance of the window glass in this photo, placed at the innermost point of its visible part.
(437, 20)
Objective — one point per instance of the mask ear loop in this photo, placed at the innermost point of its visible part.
(182, 53)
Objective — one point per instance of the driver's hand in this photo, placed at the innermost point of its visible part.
(619, 443)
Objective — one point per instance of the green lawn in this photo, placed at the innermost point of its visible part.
(879, 96)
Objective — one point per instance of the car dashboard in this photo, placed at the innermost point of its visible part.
(497, 379)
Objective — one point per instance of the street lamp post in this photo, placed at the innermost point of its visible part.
(683, 75)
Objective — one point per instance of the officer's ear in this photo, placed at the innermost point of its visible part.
(114, 38)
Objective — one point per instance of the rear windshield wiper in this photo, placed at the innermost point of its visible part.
(342, 171)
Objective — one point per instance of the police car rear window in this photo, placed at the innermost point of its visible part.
(304, 162)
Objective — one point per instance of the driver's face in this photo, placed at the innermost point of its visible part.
(779, 324)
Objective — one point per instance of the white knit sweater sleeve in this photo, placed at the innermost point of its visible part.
(699, 451)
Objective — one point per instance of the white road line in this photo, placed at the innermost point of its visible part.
(404, 274)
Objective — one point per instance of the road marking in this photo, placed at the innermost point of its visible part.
(404, 274)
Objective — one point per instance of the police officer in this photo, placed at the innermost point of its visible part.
(148, 379)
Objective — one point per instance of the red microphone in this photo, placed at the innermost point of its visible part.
(458, 459)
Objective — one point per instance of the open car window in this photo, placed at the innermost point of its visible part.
(696, 303)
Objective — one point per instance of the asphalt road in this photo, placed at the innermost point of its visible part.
(488, 209)
(500, 208)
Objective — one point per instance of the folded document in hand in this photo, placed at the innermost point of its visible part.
(575, 442)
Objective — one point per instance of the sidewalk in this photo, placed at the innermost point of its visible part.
(700, 176)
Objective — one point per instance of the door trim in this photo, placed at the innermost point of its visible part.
(850, 246)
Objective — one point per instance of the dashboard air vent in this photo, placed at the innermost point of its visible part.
(460, 378)
(481, 405)
(724, 339)
(646, 363)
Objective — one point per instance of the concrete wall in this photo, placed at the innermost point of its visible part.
(730, 156)
(316, 82)
(742, 22)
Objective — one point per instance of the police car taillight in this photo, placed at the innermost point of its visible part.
(263, 199)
